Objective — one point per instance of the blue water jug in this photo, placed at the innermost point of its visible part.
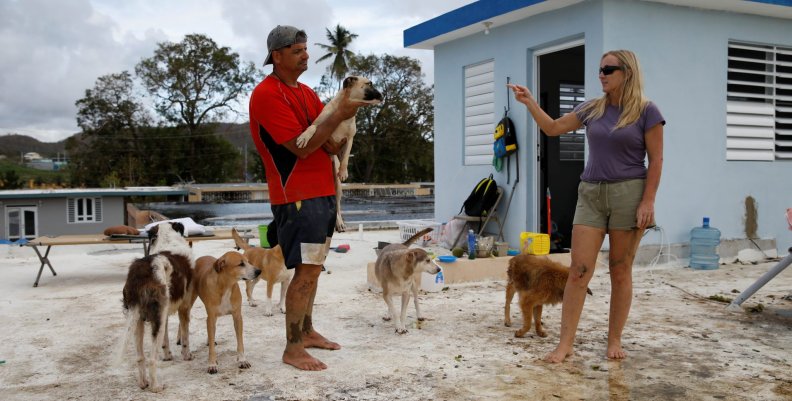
(703, 243)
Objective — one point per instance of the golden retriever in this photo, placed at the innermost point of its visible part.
(540, 281)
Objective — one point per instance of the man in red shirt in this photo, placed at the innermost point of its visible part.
(300, 181)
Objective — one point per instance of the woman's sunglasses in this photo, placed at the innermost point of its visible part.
(608, 69)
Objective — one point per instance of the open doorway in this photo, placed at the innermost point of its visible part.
(561, 159)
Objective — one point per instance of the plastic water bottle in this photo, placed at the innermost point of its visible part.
(703, 243)
(471, 244)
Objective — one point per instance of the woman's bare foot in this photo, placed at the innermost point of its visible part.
(316, 340)
(557, 356)
(615, 351)
(302, 360)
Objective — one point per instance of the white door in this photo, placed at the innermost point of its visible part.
(21, 222)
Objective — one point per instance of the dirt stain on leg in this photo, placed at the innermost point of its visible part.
(295, 334)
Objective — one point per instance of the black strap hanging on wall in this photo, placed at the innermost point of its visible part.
(510, 143)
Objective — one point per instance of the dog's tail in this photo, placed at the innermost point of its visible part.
(123, 341)
(417, 235)
(240, 243)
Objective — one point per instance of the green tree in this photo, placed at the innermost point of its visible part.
(112, 119)
(193, 82)
(255, 167)
(394, 141)
(338, 49)
(11, 180)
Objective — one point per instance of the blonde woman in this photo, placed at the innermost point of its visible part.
(617, 191)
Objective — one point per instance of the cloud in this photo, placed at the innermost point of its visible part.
(51, 51)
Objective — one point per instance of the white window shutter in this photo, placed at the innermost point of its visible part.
(479, 113)
(98, 210)
(70, 210)
(573, 144)
(759, 102)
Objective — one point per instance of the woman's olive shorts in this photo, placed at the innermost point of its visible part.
(609, 205)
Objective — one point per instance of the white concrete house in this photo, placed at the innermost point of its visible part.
(29, 213)
(720, 72)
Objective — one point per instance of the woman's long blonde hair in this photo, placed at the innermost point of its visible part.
(632, 101)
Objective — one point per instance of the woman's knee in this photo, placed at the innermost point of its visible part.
(580, 274)
(620, 272)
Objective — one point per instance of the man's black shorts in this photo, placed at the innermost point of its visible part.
(305, 229)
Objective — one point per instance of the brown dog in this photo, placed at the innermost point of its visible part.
(398, 270)
(540, 281)
(156, 286)
(273, 269)
(215, 283)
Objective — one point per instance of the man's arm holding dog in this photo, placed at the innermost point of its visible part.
(346, 109)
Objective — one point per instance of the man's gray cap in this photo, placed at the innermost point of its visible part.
(282, 36)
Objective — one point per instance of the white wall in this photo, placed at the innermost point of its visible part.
(683, 55)
(511, 46)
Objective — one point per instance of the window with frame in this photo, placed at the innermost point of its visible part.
(479, 113)
(759, 102)
(21, 222)
(84, 210)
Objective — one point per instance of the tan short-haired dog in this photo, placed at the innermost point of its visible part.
(360, 90)
(215, 283)
(273, 269)
(540, 281)
(398, 270)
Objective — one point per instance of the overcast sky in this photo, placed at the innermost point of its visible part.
(51, 51)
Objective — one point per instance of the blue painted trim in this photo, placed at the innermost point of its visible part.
(787, 3)
(483, 10)
(461, 17)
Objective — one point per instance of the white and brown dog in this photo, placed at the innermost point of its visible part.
(156, 286)
(215, 282)
(360, 90)
(398, 270)
(273, 270)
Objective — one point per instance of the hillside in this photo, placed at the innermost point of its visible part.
(14, 145)
(237, 134)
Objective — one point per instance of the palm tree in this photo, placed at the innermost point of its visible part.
(339, 40)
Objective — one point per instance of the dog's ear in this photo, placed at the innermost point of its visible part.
(410, 258)
(178, 227)
(415, 255)
(349, 81)
(219, 264)
(152, 232)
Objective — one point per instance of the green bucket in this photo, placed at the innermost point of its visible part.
(263, 236)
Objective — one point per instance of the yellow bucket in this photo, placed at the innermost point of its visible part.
(534, 243)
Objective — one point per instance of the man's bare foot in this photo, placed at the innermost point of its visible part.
(316, 340)
(615, 351)
(302, 360)
(557, 356)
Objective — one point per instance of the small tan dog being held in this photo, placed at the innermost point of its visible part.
(360, 90)
(540, 281)
(273, 270)
(398, 270)
(215, 283)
